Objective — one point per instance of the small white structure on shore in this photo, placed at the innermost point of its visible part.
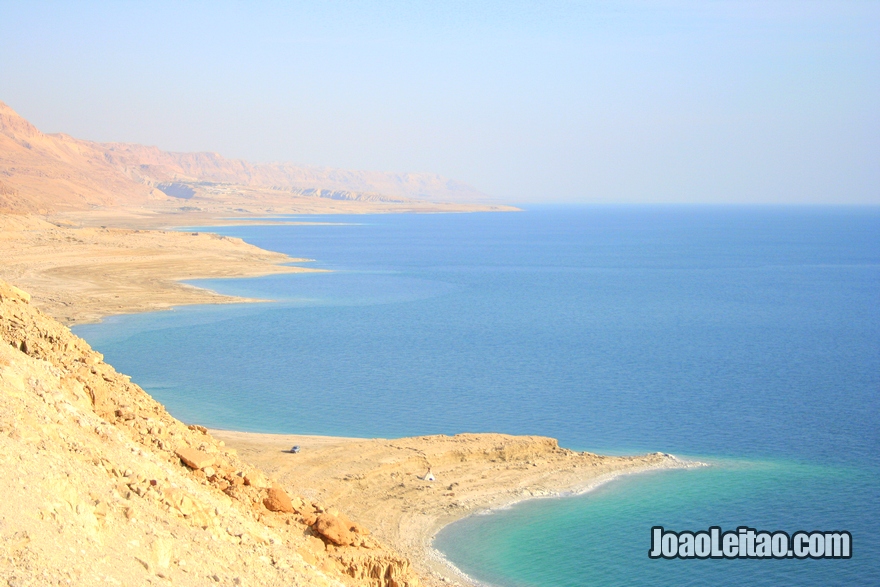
(429, 476)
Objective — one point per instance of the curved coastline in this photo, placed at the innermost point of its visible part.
(380, 482)
(452, 572)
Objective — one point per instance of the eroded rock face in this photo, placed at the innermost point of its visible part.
(376, 570)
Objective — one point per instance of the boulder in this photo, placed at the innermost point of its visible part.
(333, 529)
(256, 479)
(277, 500)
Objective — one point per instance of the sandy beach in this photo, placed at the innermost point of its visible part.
(381, 483)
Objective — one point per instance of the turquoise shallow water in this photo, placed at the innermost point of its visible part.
(600, 538)
(749, 336)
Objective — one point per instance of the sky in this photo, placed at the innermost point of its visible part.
(770, 101)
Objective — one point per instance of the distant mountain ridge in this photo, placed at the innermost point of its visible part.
(44, 173)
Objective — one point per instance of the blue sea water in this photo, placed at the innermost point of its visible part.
(745, 337)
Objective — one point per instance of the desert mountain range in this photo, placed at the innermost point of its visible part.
(49, 173)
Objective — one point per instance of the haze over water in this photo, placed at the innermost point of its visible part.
(745, 337)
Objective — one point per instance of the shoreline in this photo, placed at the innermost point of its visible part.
(82, 275)
(380, 483)
(438, 558)
(83, 266)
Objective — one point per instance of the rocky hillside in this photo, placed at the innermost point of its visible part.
(102, 486)
(41, 173)
(48, 173)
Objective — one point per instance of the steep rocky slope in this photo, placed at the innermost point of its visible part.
(102, 486)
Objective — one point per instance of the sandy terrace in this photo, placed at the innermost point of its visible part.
(81, 274)
(380, 483)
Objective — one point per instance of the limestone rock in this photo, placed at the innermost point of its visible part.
(22, 295)
(315, 544)
(256, 479)
(333, 529)
(277, 500)
(358, 529)
(7, 290)
(195, 459)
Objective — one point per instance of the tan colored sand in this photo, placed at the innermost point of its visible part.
(257, 203)
(380, 483)
(80, 275)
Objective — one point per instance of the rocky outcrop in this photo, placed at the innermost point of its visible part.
(102, 485)
(376, 570)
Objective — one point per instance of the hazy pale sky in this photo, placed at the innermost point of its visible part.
(766, 101)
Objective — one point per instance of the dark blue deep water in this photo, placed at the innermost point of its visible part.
(745, 337)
